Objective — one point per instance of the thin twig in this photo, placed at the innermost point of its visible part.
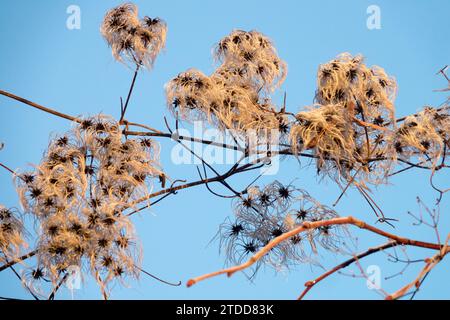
(159, 279)
(130, 91)
(310, 284)
(18, 260)
(56, 288)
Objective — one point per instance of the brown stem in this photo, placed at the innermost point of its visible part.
(169, 135)
(187, 185)
(124, 110)
(310, 284)
(313, 225)
(7, 168)
(56, 288)
(171, 190)
(38, 106)
(429, 265)
(18, 260)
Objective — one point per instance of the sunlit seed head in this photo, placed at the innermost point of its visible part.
(133, 40)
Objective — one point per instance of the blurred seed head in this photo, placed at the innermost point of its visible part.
(12, 234)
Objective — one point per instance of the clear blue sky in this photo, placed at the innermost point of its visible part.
(74, 72)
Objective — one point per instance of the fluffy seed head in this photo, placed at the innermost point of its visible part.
(350, 123)
(78, 194)
(131, 39)
(232, 97)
